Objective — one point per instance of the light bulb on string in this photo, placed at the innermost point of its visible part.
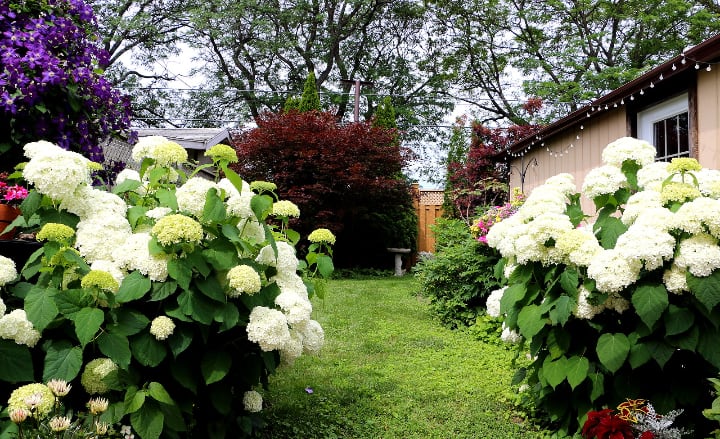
(615, 105)
(697, 66)
(632, 98)
(661, 77)
(673, 67)
(708, 68)
(582, 127)
(622, 101)
(652, 85)
(642, 92)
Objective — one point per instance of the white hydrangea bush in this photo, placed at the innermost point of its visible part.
(626, 294)
(189, 288)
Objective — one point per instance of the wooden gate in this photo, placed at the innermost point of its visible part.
(428, 204)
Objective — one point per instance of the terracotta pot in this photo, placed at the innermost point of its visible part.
(8, 215)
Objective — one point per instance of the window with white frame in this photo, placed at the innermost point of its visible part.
(666, 126)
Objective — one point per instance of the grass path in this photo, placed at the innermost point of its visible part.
(389, 371)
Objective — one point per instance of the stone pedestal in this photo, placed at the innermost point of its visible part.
(398, 252)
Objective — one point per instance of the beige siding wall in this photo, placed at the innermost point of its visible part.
(578, 157)
(708, 118)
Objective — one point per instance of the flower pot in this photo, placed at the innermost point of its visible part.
(7, 215)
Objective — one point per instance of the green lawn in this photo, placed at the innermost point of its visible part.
(389, 371)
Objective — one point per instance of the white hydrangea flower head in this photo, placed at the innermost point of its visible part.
(99, 235)
(285, 208)
(699, 216)
(545, 230)
(41, 147)
(572, 244)
(8, 271)
(638, 203)
(290, 281)
(651, 174)
(252, 401)
(134, 254)
(313, 336)
(252, 230)
(15, 326)
(162, 327)
(617, 303)
(649, 245)
(191, 195)
(296, 308)
(164, 151)
(3, 308)
(658, 218)
(87, 201)
(98, 375)
(57, 173)
(709, 182)
(563, 183)
(239, 205)
(675, 279)
(492, 303)
(285, 260)
(604, 180)
(268, 327)
(502, 235)
(543, 199)
(612, 271)
(585, 310)
(177, 228)
(127, 174)
(293, 349)
(243, 279)
(699, 254)
(229, 188)
(510, 267)
(158, 212)
(628, 148)
(509, 335)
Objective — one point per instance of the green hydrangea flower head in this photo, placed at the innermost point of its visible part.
(286, 209)
(676, 192)
(100, 279)
(99, 376)
(177, 228)
(36, 397)
(169, 152)
(222, 152)
(322, 236)
(55, 232)
(94, 166)
(683, 164)
(262, 186)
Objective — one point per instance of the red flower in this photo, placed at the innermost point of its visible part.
(589, 430)
(647, 435)
(613, 427)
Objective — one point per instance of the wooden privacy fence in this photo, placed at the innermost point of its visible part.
(428, 204)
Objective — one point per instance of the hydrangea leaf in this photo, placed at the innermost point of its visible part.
(513, 294)
(706, 289)
(569, 281)
(162, 290)
(147, 350)
(563, 309)
(609, 230)
(215, 365)
(198, 307)
(708, 346)
(87, 323)
(183, 375)
(157, 392)
(530, 321)
(612, 350)
(133, 287)
(221, 254)
(577, 370)
(650, 301)
(15, 362)
(228, 316)
(197, 262)
(555, 371)
(128, 322)
(639, 355)
(181, 271)
(182, 338)
(167, 198)
(558, 342)
(40, 307)
(127, 185)
(214, 209)
(211, 288)
(660, 351)
(678, 320)
(116, 347)
(687, 340)
(134, 399)
(71, 301)
(598, 385)
(325, 265)
(148, 421)
(261, 206)
(62, 361)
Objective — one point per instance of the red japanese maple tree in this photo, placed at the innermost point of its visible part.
(345, 177)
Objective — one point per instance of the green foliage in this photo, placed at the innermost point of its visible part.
(459, 277)
(713, 413)
(310, 100)
(385, 114)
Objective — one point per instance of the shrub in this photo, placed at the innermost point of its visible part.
(627, 306)
(174, 302)
(460, 275)
(347, 178)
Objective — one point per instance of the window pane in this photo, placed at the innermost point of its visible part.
(683, 138)
(671, 133)
(659, 136)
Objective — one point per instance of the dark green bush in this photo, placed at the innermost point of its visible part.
(459, 277)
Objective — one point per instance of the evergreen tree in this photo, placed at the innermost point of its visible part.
(310, 99)
(385, 114)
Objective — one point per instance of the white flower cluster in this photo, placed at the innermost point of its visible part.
(8, 272)
(289, 330)
(15, 326)
(678, 241)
